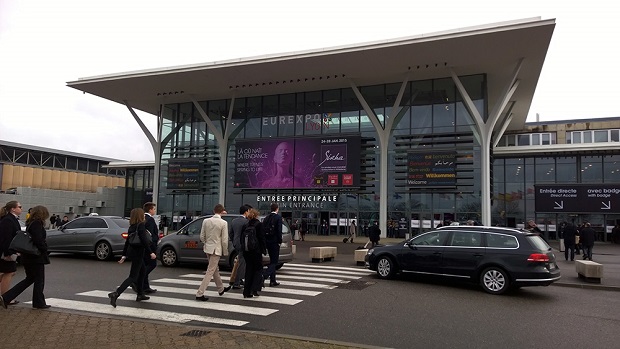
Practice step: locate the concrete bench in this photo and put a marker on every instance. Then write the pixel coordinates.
(323, 253)
(589, 271)
(359, 256)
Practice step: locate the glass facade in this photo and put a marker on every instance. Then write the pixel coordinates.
(431, 117)
(514, 192)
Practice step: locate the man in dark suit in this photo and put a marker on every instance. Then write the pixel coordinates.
(569, 232)
(151, 227)
(587, 237)
(272, 227)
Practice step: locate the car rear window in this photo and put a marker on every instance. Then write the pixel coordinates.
(122, 223)
(501, 241)
(537, 242)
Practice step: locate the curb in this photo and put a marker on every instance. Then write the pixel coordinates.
(587, 286)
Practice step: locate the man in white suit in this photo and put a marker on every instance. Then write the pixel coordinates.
(214, 236)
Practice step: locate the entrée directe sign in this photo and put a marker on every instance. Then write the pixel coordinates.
(577, 198)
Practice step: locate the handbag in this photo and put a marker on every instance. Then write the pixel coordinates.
(134, 239)
(22, 243)
(576, 239)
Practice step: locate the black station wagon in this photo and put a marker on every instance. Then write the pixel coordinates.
(496, 258)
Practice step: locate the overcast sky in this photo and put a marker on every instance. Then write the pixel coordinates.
(44, 44)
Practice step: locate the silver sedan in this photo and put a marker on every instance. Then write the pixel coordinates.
(185, 245)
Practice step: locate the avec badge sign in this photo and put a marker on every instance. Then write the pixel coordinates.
(577, 198)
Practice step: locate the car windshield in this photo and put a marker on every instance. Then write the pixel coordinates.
(123, 223)
(538, 243)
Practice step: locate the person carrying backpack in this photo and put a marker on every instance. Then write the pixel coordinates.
(272, 228)
(252, 242)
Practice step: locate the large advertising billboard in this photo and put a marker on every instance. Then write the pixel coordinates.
(318, 162)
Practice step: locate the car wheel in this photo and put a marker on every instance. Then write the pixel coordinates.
(169, 257)
(494, 280)
(385, 267)
(279, 266)
(103, 251)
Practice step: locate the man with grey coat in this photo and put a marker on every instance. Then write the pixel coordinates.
(236, 228)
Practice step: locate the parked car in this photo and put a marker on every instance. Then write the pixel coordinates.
(103, 236)
(185, 245)
(496, 258)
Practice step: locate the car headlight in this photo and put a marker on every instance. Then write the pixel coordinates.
(370, 251)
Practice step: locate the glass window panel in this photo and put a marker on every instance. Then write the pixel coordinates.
(313, 111)
(422, 117)
(601, 136)
(349, 121)
(568, 138)
(269, 117)
(331, 123)
(591, 169)
(523, 139)
(546, 139)
(443, 118)
(287, 115)
(612, 169)
(566, 169)
(576, 137)
(536, 139)
(587, 137)
(614, 135)
(545, 170)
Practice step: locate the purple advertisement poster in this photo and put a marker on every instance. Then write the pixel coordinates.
(316, 162)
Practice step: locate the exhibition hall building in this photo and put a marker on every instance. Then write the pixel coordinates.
(408, 132)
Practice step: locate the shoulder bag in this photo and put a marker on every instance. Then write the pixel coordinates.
(22, 243)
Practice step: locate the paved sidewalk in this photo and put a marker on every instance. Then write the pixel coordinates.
(26, 328)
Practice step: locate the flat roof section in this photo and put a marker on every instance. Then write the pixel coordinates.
(493, 49)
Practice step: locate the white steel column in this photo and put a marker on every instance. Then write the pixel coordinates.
(222, 142)
(485, 132)
(155, 144)
(384, 136)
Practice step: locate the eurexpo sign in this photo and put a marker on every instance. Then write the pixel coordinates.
(578, 198)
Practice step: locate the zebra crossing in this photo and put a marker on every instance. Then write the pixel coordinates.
(174, 300)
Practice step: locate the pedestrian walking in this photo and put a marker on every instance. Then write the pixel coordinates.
(136, 252)
(304, 229)
(374, 235)
(151, 226)
(34, 265)
(214, 236)
(352, 231)
(570, 234)
(272, 228)
(587, 237)
(253, 251)
(9, 226)
(236, 228)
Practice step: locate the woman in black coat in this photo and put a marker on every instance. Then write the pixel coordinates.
(34, 265)
(253, 259)
(9, 226)
(138, 270)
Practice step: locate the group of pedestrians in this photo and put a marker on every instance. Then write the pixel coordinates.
(34, 264)
(576, 238)
(251, 239)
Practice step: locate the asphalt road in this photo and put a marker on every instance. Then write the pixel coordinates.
(403, 313)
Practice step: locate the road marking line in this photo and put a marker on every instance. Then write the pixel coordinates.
(285, 283)
(302, 272)
(209, 305)
(312, 266)
(139, 312)
(231, 295)
(288, 291)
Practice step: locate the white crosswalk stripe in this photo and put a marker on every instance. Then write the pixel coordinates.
(175, 300)
(138, 312)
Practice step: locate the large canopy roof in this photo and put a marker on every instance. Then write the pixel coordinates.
(494, 49)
